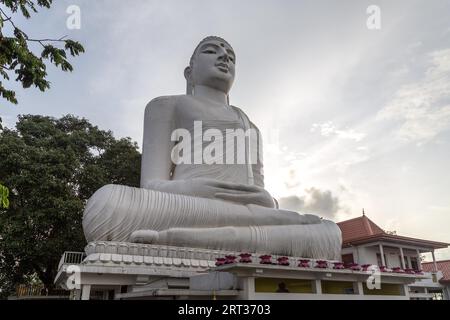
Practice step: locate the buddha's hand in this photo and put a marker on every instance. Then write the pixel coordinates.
(235, 192)
(244, 194)
(215, 189)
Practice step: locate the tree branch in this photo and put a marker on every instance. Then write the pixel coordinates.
(48, 40)
(41, 41)
(8, 18)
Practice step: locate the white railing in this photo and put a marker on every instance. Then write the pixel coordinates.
(421, 295)
(434, 276)
(38, 290)
(71, 258)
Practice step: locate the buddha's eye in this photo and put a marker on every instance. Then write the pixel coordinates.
(209, 51)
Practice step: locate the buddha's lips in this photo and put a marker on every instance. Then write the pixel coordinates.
(222, 66)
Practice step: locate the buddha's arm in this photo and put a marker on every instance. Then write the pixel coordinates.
(159, 124)
(256, 194)
(258, 168)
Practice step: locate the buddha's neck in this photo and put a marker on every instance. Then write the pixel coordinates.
(214, 95)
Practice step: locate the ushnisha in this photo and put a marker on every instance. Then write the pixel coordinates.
(219, 206)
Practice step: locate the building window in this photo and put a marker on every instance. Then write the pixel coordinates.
(406, 262)
(272, 285)
(348, 258)
(387, 289)
(379, 261)
(337, 287)
(414, 263)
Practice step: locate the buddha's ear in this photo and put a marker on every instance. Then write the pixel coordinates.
(187, 73)
(189, 84)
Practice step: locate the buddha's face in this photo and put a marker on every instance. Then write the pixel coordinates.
(213, 66)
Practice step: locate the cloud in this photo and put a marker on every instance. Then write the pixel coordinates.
(328, 129)
(314, 201)
(294, 203)
(440, 209)
(8, 121)
(423, 107)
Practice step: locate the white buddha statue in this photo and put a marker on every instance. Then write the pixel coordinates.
(208, 204)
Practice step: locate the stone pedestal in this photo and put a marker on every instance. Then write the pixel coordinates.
(131, 268)
(141, 271)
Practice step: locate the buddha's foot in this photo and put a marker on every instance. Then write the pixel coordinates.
(197, 237)
(318, 240)
(144, 236)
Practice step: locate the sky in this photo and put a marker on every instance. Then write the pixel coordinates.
(352, 117)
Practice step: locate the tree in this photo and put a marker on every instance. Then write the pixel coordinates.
(52, 167)
(16, 56)
(4, 197)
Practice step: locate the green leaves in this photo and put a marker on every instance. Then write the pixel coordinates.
(74, 47)
(8, 94)
(25, 5)
(57, 57)
(17, 58)
(4, 197)
(52, 167)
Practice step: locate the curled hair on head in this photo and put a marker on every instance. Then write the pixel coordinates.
(189, 85)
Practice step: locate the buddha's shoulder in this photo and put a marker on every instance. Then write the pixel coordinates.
(166, 103)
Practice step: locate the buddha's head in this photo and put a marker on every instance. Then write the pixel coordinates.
(212, 64)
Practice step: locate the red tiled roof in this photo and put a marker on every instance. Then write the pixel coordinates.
(358, 228)
(443, 266)
(363, 230)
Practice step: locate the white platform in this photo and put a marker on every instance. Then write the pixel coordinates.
(151, 270)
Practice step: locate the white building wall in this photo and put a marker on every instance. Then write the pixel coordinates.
(348, 251)
(369, 255)
(392, 257)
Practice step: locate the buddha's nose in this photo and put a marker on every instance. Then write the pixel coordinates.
(225, 56)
